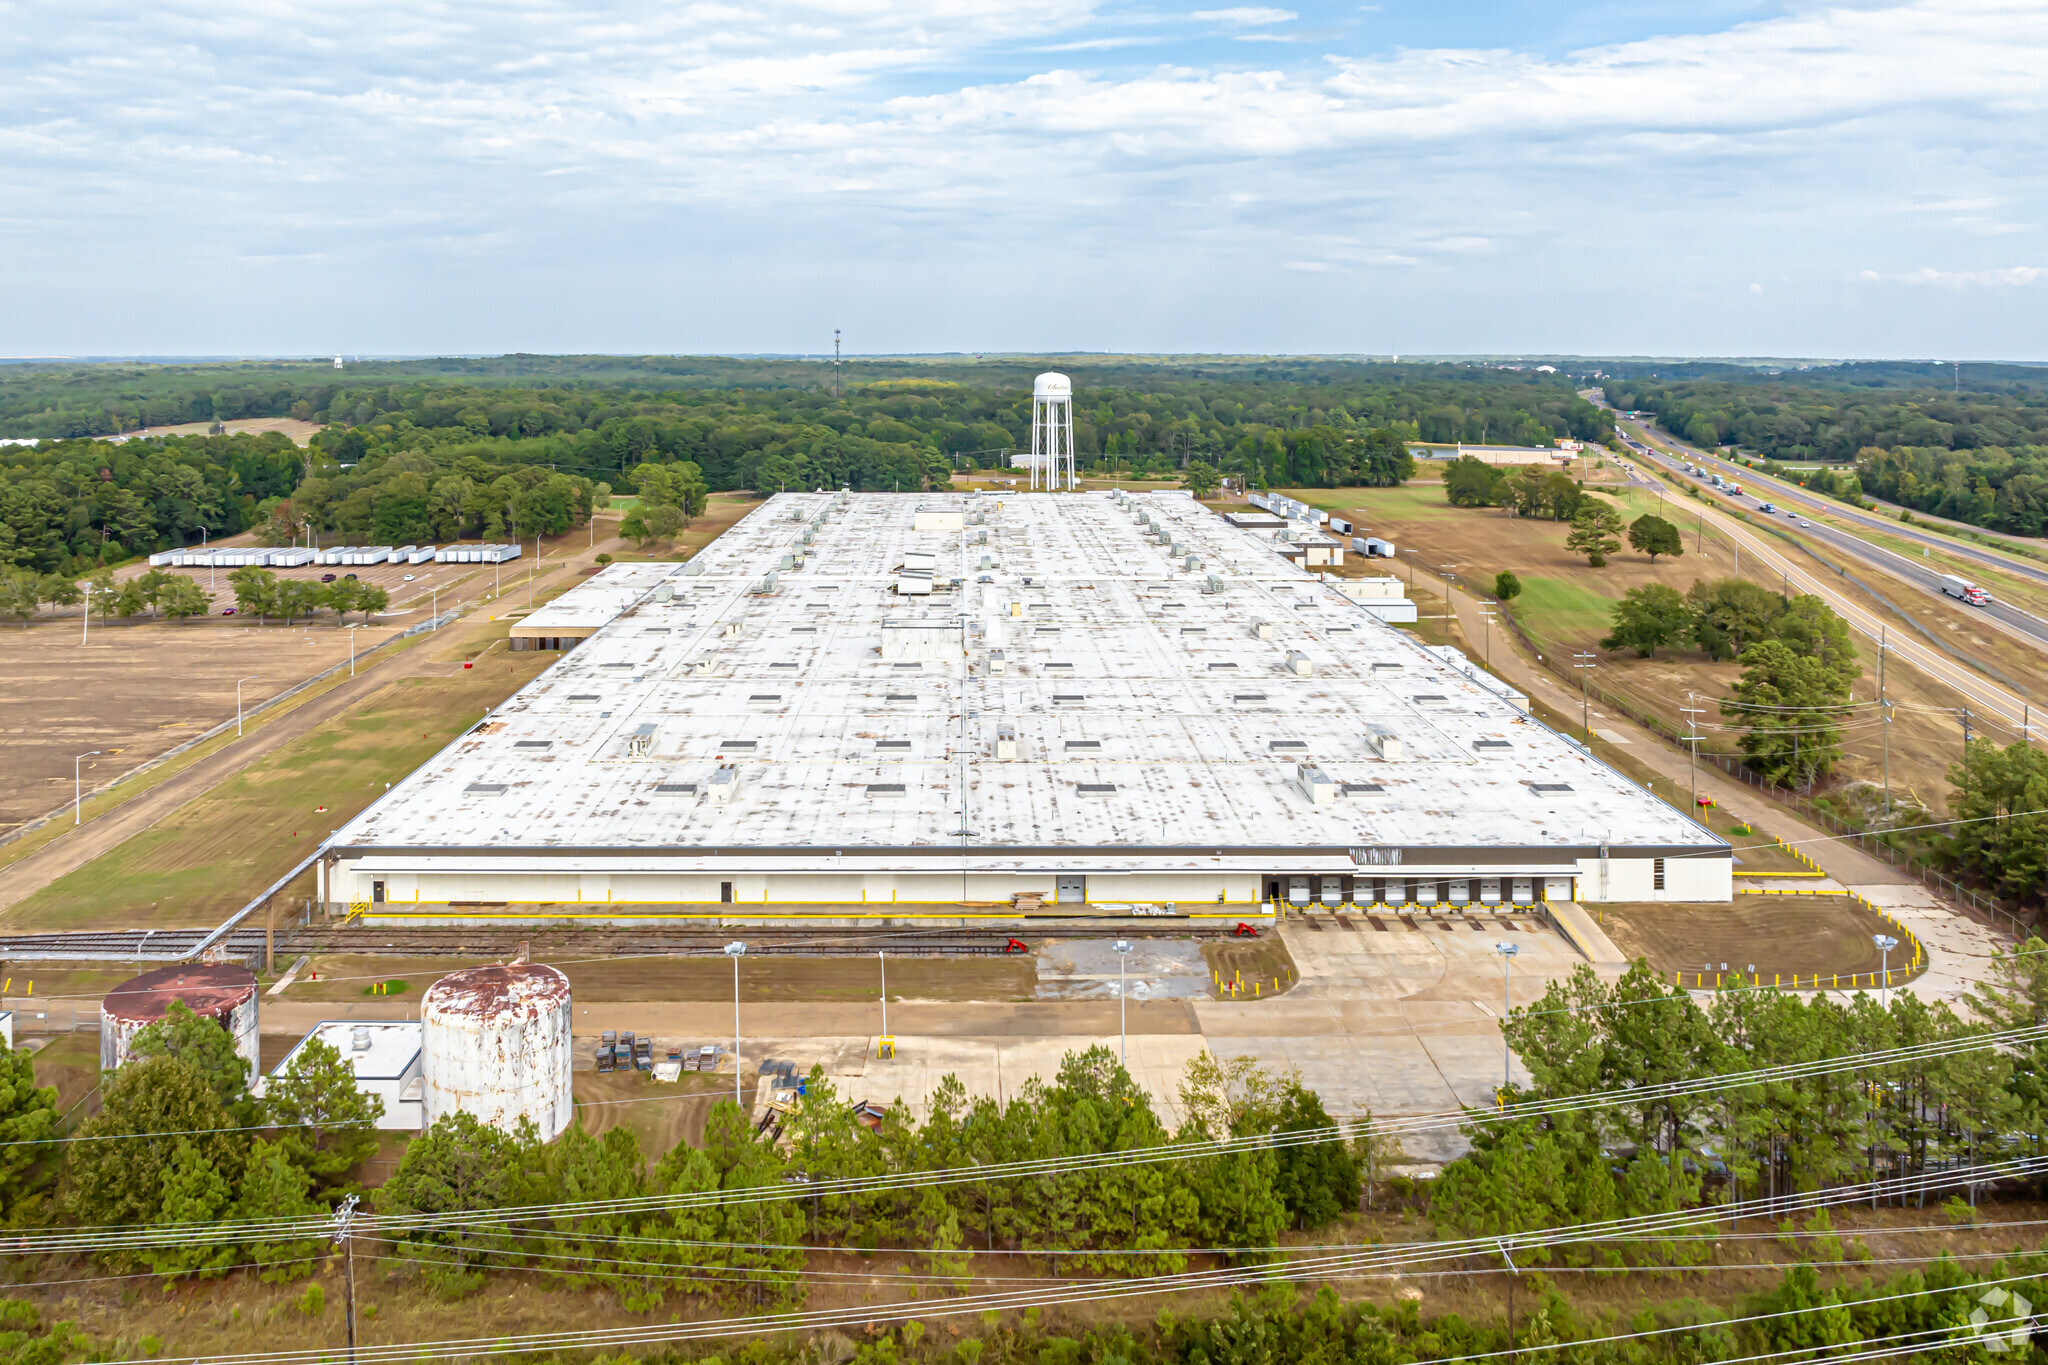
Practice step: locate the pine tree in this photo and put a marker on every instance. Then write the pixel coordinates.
(192, 1192)
(326, 1123)
(28, 1115)
(274, 1188)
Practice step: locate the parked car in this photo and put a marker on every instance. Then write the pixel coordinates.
(348, 575)
(227, 611)
(327, 578)
(408, 578)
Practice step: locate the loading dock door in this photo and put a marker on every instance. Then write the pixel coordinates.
(1072, 890)
(1297, 891)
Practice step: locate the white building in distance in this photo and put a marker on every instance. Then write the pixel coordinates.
(864, 701)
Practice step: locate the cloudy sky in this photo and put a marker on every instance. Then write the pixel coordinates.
(408, 176)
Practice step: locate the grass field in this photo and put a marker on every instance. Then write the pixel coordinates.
(210, 856)
(1565, 607)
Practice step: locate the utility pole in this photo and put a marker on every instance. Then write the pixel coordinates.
(1691, 712)
(1512, 1272)
(1966, 730)
(1885, 710)
(344, 1219)
(1585, 707)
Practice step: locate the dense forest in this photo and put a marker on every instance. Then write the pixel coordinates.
(428, 451)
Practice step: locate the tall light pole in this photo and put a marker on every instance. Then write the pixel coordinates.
(1885, 943)
(352, 650)
(77, 785)
(1486, 606)
(1692, 722)
(437, 606)
(736, 950)
(1585, 706)
(1507, 953)
(1123, 1038)
(238, 697)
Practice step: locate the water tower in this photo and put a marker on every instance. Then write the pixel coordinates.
(1052, 432)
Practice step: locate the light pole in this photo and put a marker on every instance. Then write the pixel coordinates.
(436, 592)
(1885, 943)
(1123, 1038)
(238, 697)
(77, 785)
(1507, 953)
(1692, 714)
(1485, 609)
(1585, 706)
(736, 950)
(352, 650)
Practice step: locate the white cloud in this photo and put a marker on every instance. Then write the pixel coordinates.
(1957, 279)
(1245, 16)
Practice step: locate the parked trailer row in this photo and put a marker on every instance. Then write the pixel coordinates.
(235, 558)
(477, 554)
(1372, 547)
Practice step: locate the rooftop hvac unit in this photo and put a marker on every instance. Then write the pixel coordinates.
(786, 562)
(1178, 550)
(988, 561)
(809, 538)
(723, 786)
(1193, 562)
(996, 662)
(1385, 742)
(732, 630)
(664, 592)
(981, 539)
(703, 665)
(771, 583)
(1316, 785)
(1263, 630)
(692, 569)
(640, 741)
(1214, 585)
(1006, 741)
(1300, 664)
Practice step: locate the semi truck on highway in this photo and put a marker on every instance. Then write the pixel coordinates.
(1965, 589)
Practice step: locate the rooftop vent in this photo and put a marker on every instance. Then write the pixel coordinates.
(487, 788)
(1074, 744)
(1095, 788)
(1385, 741)
(655, 630)
(585, 698)
(1057, 664)
(1194, 630)
(913, 667)
(1248, 698)
(1491, 744)
(892, 744)
(615, 663)
(782, 665)
(876, 789)
(1281, 745)
(1219, 667)
(675, 789)
(724, 785)
(1377, 667)
(803, 630)
(1550, 786)
(359, 1038)
(764, 696)
(747, 744)
(1068, 698)
(1424, 698)
(1363, 789)
(533, 744)
(901, 696)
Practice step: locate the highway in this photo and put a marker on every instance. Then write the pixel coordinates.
(2016, 622)
(1665, 446)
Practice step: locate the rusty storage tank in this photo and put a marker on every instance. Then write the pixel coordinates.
(496, 1043)
(220, 992)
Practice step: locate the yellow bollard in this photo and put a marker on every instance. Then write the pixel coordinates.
(1717, 980)
(1775, 980)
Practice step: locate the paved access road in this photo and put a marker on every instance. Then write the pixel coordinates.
(1759, 489)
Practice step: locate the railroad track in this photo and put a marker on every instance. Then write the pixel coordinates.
(678, 940)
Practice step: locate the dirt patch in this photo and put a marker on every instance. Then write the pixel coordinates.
(300, 432)
(212, 854)
(134, 691)
(660, 1114)
(762, 979)
(1250, 968)
(1778, 936)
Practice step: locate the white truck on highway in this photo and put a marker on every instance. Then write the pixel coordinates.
(1965, 589)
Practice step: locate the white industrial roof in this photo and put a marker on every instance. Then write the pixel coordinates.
(1154, 721)
(394, 1046)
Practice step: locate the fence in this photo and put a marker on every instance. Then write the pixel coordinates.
(1988, 908)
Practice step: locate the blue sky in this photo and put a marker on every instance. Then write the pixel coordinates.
(195, 177)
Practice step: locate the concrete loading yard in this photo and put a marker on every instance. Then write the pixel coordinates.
(1098, 701)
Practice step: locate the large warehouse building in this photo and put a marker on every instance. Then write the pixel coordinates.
(874, 700)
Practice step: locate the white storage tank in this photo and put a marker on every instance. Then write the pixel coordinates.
(497, 1046)
(223, 993)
